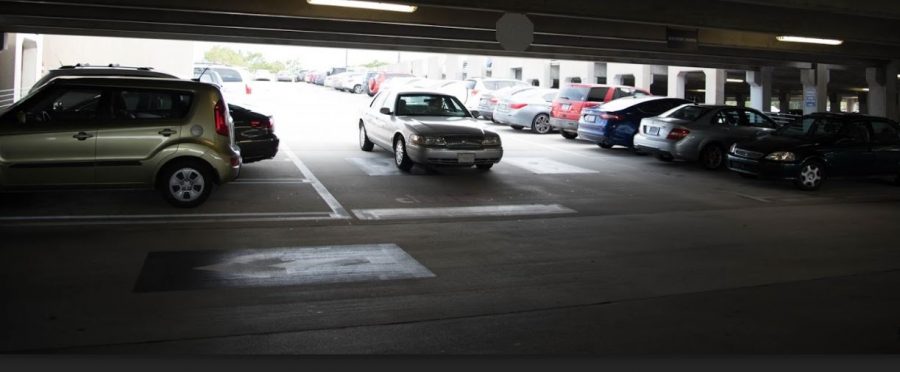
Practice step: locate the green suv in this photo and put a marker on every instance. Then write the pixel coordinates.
(169, 134)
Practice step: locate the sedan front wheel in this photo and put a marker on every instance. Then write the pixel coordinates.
(401, 159)
(811, 176)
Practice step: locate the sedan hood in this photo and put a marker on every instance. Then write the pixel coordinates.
(771, 143)
(444, 126)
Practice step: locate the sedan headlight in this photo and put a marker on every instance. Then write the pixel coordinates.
(782, 156)
(491, 141)
(731, 150)
(427, 141)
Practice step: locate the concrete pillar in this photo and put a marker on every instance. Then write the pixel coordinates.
(815, 88)
(784, 101)
(882, 99)
(715, 86)
(452, 67)
(677, 81)
(863, 99)
(835, 100)
(760, 89)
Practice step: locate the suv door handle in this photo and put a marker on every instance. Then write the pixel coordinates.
(81, 136)
(167, 132)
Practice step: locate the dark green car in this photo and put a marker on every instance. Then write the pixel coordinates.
(819, 146)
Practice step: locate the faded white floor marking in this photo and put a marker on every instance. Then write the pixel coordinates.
(377, 166)
(458, 212)
(336, 207)
(545, 166)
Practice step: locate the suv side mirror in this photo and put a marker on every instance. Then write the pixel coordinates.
(385, 111)
(21, 117)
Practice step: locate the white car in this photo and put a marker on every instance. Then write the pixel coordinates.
(332, 80)
(352, 82)
(427, 127)
(479, 86)
(236, 82)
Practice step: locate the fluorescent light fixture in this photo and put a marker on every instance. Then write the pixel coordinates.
(734, 80)
(809, 40)
(374, 5)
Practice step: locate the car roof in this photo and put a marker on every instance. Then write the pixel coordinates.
(844, 115)
(129, 81)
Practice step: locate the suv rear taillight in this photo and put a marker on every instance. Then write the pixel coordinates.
(678, 134)
(590, 104)
(247, 89)
(221, 120)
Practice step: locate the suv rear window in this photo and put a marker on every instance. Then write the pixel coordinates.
(574, 93)
(597, 94)
(151, 104)
(229, 75)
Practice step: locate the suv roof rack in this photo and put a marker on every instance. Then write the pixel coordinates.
(111, 65)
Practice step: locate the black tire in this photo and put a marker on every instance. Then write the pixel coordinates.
(364, 143)
(401, 159)
(605, 145)
(748, 176)
(712, 157)
(638, 151)
(811, 175)
(357, 89)
(665, 158)
(568, 135)
(186, 183)
(516, 127)
(484, 167)
(541, 124)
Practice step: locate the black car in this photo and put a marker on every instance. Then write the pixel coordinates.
(254, 133)
(822, 145)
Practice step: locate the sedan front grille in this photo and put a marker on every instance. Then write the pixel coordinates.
(464, 143)
(748, 154)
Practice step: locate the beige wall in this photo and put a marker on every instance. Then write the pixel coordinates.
(175, 57)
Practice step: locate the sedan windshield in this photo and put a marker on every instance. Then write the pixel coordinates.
(429, 105)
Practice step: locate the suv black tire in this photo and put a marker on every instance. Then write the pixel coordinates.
(568, 135)
(198, 182)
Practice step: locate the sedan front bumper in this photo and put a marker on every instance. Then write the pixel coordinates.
(763, 168)
(444, 156)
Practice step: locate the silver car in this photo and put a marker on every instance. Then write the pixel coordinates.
(429, 128)
(527, 109)
(700, 132)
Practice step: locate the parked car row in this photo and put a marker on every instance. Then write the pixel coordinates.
(131, 127)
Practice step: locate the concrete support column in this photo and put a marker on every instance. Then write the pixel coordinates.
(863, 99)
(835, 100)
(882, 99)
(815, 88)
(784, 101)
(677, 81)
(452, 67)
(715, 86)
(760, 88)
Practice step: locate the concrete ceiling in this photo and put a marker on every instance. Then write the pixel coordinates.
(730, 34)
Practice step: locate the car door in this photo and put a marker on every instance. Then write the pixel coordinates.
(50, 140)
(381, 122)
(848, 152)
(886, 146)
(145, 124)
(724, 127)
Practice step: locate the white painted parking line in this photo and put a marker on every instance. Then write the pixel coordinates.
(377, 166)
(545, 166)
(164, 219)
(337, 209)
(458, 212)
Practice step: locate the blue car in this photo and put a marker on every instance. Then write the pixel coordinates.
(616, 122)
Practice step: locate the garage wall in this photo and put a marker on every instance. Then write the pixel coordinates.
(20, 65)
(171, 56)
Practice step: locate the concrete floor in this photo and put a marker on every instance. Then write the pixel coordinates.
(648, 257)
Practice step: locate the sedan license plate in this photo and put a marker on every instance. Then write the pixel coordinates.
(566, 107)
(589, 118)
(653, 131)
(465, 158)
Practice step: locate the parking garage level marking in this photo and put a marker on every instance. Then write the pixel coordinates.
(460, 212)
(337, 209)
(546, 166)
(207, 269)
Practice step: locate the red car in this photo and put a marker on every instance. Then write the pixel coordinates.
(375, 82)
(567, 106)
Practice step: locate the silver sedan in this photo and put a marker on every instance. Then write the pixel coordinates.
(527, 109)
(700, 132)
(427, 127)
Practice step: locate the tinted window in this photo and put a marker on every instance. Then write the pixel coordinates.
(727, 117)
(690, 113)
(597, 94)
(620, 93)
(854, 132)
(150, 104)
(885, 133)
(574, 93)
(429, 105)
(658, 106)
(229, 75)
(65, 105)
(753, 119)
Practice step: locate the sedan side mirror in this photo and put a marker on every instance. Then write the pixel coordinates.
(21, 117)
(385, 111)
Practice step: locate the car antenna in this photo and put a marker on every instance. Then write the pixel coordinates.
(202, 73)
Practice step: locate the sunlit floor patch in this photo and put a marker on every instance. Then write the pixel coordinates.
(459, 212)
(545, 166)
(187, 270)
(377, 166)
